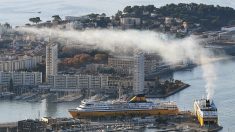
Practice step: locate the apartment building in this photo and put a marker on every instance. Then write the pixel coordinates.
(21, 78)
(69, 83)
(51, 59)
(20, 62)
(125, 64)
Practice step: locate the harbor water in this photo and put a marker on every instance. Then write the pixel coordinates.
(224, 94)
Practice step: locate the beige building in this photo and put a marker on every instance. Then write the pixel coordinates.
(69, 83)
(121, 61)
(128, 22)
(124, 64)
(51, 59)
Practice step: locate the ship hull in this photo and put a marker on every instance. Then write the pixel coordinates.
(205, 121)
(84, 114)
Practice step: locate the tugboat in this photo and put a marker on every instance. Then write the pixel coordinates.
(136, 106)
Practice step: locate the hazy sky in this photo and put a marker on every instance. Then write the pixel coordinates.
(17, 12)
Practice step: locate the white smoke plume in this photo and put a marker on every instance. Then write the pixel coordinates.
(209, 76)
(171, 50)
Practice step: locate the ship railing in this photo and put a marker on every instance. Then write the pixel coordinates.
(209, 114)
(165, 107)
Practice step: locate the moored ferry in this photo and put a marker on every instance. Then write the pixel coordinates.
(206, 112)
(136, 106)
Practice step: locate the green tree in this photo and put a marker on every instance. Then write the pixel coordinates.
(118, 15)
(7, 25)
(56, 18)
(103, 14)
(32, 20)
(210, 17)
(11, 86)
(127, 9)
(150, 8)
(84, 92)
(35, 20)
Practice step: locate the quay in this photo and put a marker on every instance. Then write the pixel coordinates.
(184, 121)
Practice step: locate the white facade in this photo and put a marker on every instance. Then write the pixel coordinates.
(51, 59)
(77, 82)
(128, 22)
(24, 62)
(138, 87)
(230, 36)
(124, 64)
(121, 61)
(168, 20)
(21, 78)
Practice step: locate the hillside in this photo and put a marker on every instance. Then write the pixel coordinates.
(209, 17)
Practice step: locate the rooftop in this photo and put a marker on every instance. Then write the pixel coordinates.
(207, 105)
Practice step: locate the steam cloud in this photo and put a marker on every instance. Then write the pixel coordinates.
(171, 50)
(209, 76)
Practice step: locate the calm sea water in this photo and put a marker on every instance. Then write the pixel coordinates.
(223, 97)
(17, 12)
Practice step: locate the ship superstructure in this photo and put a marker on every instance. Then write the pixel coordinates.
(137, 106)
(206, 112)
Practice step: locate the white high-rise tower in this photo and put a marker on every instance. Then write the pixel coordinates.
(51, 59)
(138, 73)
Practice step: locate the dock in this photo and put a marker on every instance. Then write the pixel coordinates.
(184, 121)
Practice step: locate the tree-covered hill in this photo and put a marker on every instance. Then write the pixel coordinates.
(210, 17)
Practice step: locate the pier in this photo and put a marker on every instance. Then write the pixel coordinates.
(184, 121)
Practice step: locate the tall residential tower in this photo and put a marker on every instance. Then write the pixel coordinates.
(51, 59)
(138, 87)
